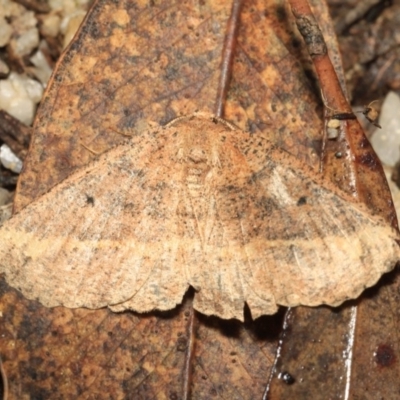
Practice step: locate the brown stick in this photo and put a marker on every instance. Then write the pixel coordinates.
(14, 133)
(309, 29)
(227, 57)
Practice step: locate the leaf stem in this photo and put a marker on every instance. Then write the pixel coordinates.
(309, 29)
(228, 53)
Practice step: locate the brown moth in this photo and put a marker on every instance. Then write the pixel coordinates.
(197, 203)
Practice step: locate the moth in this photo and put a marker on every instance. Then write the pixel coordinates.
(195, 203)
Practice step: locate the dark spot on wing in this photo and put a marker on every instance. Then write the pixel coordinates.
(302, 200)
(89, 200)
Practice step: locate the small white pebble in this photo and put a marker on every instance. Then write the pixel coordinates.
(9, 8)
(393, 189)
(9, 160)
(50, 25)
(332, 130)
(26, 42)
(34, 90)
(65, 6)
(7, 92)
(72, 13)
(5, 32)
(83, 3)
(25, 35)
(23, 20)
(332, 133)
(386, 141)
(42, 69)
(333, 123)
(23, 109)
(19, 96)
(4, 69)
(70, 25)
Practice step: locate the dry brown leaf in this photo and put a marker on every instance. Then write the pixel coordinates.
(58, 352)
(198, 203)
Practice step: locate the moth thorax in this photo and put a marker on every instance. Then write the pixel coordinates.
(197, 169)
(197, 155)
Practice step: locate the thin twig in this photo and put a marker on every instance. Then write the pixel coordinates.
(227, 57)
(309, 29)
(189, 354)
(15, 134)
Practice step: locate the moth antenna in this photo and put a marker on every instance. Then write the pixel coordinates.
(119, 132)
